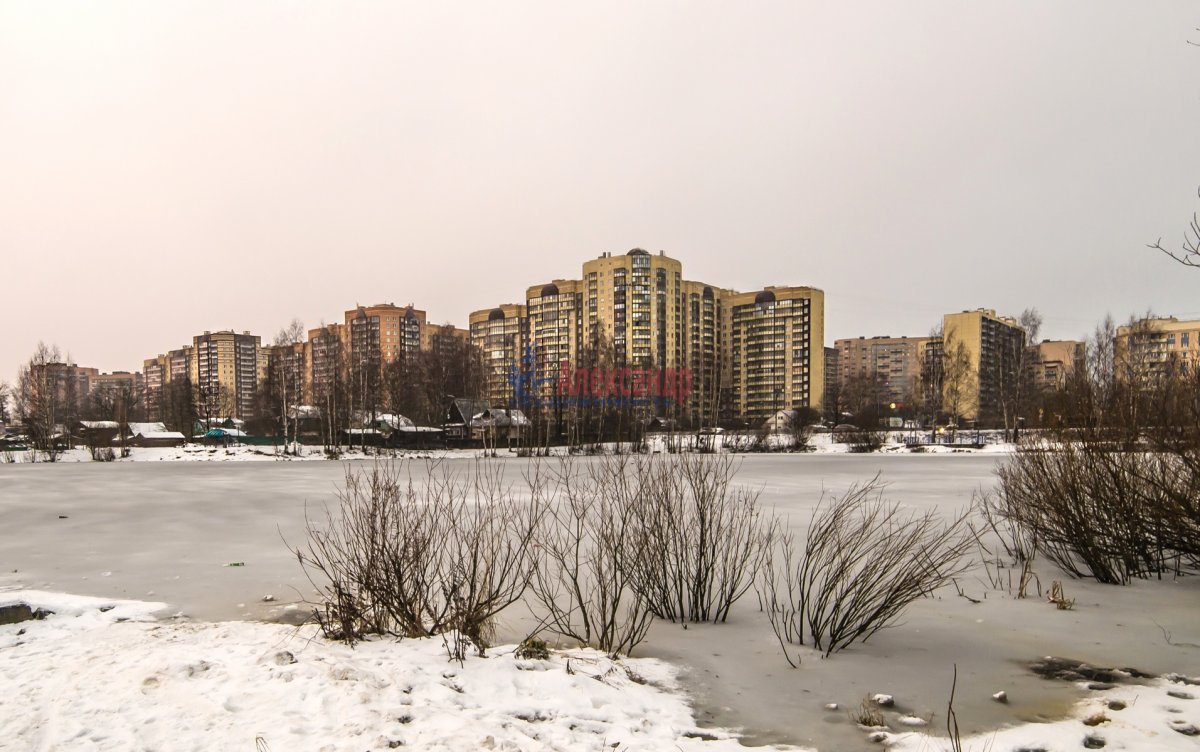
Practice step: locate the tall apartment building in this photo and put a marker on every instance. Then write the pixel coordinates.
(384, 333)
(62, 385)
(991, 346)
(556, 332)
(634, 301)
(777, 350)
(226, 371)
(154, 378)
(833, 380)
(892, 364)
(159, 372)
(327, 355)
(501, 336)
(117, 380)
(704, 324)
(1147, 347)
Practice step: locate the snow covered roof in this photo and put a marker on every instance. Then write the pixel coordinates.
(136, 429)
(95, 424)
(162, 435)
(393, 421)
(304, 411)
(498, 417)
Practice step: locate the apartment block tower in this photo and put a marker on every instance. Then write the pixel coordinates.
(777, 350)
(160, 372)
(501, 335)
(383, 333)
(705, 346)
(556, 329)
(634, 301)
(989, 348)
(1148, 347)
(226, 370)
(892, 365)
(326, 363)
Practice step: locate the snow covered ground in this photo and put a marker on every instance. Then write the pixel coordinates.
(105, 675)
(86, 679)
(168, 532)
(818, 444)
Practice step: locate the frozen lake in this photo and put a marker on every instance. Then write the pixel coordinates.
(168, 531)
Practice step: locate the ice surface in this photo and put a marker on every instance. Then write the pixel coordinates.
(172, 529)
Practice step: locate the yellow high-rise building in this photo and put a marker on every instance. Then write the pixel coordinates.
(226, 370)
(777, 350)
(556, 333)
(988, 347)
(706, 355)
(501, 335)
(633, 301)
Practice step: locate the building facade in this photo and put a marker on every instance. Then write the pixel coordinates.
(704, 321)
(1149, 347)
(891, 364)
(1053, 362)
(633, 301)
(501, 335)
(981, 361)
(556, 333)
(326, 364)
(777, 350)
(226, 371)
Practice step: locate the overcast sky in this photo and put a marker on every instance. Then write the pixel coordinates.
(170, 167)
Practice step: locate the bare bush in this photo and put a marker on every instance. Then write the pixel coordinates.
(1097, 511)
(863, 562)
(699, 541)
(585, 549)
(102, 454)
(862, 440)
(417, 559)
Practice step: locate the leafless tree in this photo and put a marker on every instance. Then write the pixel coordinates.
(178, 407)
(1189, 249)
(5, 395)
(288, 372)
(957, 375)
(45, 391)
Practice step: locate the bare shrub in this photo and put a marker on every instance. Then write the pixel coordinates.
(1097, 511)
(863, 562)
(419, 559)
(862, 440)
(699, 541)
(585, 549)
(1004, 545)
(102, 454)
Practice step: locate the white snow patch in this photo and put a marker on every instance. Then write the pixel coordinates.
(153, 685)
(1147, 722)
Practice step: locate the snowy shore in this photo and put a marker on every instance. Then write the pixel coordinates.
(100, 674)
(817, 444)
